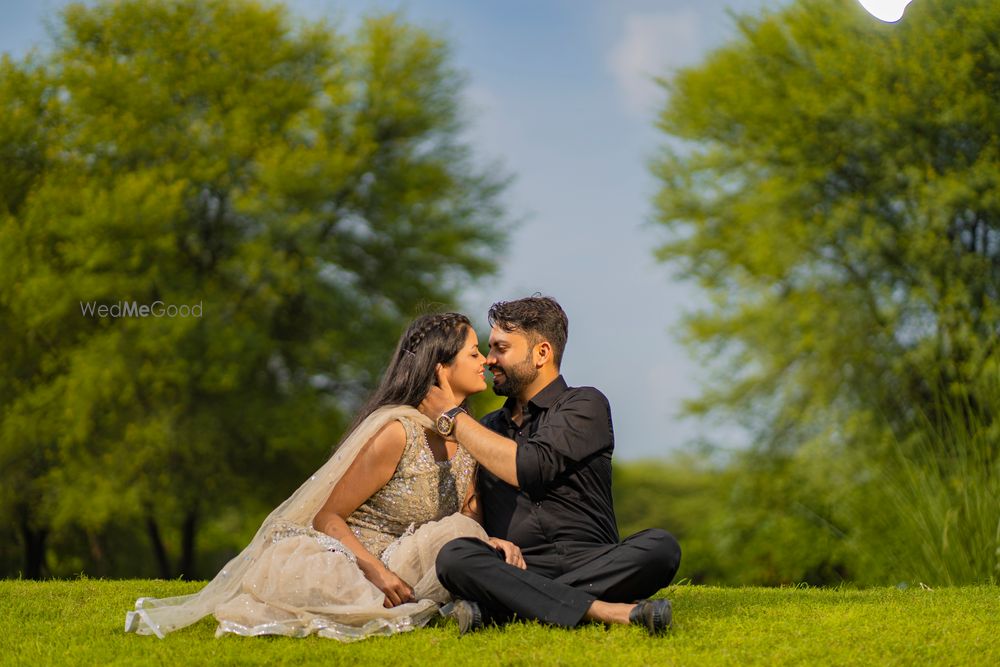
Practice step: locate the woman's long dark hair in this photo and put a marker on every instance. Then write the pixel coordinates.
(428, 341)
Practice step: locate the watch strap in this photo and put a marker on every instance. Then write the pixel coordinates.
(454, 412)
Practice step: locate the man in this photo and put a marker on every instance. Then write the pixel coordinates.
(545, 485)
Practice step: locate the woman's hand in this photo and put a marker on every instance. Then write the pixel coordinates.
(511, 552)
(396, 590)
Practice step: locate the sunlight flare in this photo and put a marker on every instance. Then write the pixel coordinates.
(889, 11)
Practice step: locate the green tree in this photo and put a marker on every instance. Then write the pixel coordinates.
(834, 191)
(831, 183)
(306, 190)
(28, 443)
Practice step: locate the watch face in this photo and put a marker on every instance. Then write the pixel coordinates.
(444, 425)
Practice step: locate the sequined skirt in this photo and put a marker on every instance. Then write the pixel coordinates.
(306, 583)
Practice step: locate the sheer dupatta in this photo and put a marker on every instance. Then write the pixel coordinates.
(158, 617)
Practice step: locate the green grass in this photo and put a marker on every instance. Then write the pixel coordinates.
(81, 622)
(942, 488)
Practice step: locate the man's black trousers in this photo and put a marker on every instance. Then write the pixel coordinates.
(562, 579)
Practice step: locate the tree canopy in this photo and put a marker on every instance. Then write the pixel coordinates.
(303, 190)
(832, 184)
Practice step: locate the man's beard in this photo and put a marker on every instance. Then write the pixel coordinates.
(516, 378)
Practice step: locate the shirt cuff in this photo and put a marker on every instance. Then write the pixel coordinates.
(529, 473)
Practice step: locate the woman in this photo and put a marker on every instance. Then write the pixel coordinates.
(351, 553)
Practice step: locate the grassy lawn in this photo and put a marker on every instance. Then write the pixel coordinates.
(80, 622)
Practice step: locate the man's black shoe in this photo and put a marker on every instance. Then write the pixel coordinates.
(467, 613)
(656, 616)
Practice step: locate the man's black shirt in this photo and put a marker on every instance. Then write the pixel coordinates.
(564, 447)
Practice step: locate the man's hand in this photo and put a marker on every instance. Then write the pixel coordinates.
(439, 399)
(511, 552)
(493, 451)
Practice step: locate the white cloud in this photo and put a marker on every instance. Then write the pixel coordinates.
(651, 45)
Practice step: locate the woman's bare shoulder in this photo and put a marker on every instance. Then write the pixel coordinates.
(389, 442)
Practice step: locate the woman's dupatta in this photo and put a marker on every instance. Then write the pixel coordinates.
(158, 617)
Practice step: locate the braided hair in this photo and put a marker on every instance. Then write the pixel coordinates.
(429, 340)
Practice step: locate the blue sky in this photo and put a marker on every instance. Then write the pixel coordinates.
(559, 93)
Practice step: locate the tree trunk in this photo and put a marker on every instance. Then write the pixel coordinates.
(159, 550)
(34, 550)
(97, 554)
(189, 532)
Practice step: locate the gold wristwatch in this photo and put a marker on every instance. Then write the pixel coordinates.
(445, 424)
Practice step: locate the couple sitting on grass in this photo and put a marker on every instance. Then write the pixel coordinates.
(422, 506)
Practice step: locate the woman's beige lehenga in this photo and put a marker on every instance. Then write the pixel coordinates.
(295, 581)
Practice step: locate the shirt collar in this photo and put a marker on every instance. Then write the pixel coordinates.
(540, 401)
(548, 394)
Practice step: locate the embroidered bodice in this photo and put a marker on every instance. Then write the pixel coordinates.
(421, 489)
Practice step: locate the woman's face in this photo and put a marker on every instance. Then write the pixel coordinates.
(466, 373)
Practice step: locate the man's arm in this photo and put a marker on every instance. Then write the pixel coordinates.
(579, 428)
(493, 451)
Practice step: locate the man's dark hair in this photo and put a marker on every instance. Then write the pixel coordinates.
(537, 317)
